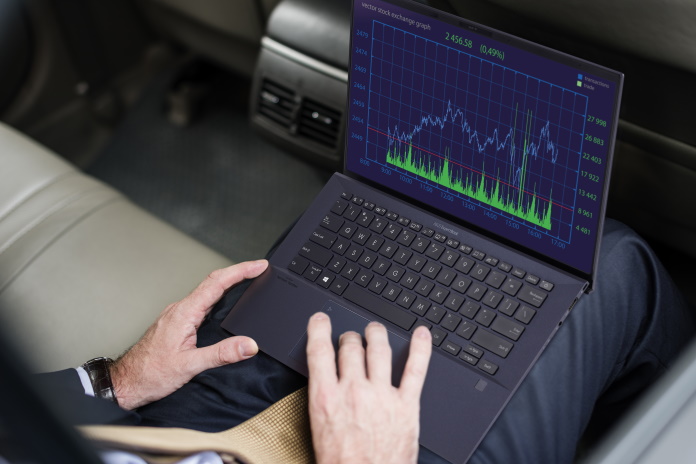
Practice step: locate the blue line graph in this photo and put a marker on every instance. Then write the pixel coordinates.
(445, 107)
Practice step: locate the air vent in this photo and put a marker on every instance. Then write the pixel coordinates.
(319, 123)
(277, 103)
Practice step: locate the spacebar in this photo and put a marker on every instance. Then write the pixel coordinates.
(380, 307)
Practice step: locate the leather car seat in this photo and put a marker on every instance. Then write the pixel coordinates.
(83, 271)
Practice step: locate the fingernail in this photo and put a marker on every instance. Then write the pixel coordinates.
(320, 316)
(248, 348)
(422, 332)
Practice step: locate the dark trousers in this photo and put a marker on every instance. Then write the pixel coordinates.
(614, 344)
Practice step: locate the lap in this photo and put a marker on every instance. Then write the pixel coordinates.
(611, 347)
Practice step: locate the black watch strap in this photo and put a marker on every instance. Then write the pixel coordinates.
(98, 371)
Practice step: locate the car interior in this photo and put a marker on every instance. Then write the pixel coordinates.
(145, 143)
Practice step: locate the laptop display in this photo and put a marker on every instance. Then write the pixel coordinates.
(503, 134)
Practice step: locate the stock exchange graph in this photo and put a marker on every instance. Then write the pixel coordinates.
(495, 135)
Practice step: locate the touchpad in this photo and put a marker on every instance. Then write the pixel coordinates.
(344, 320)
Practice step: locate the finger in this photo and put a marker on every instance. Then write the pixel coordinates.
(209, 292)
(351, 356)
(321, 356)
(227, 351)
(379, 357)
(417, 364)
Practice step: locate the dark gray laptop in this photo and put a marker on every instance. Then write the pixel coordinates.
(472, 202)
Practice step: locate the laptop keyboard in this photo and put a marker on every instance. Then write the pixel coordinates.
(476, 306)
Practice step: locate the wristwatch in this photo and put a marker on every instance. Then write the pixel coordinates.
(98, 371)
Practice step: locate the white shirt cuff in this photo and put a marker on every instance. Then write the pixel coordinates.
(86, 383)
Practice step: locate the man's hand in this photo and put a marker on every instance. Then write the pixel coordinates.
(356, 415)
(166, 357)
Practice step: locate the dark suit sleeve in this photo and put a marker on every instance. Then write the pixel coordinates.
(64, 391)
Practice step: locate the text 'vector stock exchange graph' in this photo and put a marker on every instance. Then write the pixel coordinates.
(499, 136)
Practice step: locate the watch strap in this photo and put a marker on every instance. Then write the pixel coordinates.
(98, 370)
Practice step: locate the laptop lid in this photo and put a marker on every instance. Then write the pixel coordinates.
(508, 137)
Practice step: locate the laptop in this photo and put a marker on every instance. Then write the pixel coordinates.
(472, 201)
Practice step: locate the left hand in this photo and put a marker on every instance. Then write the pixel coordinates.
(166, 357)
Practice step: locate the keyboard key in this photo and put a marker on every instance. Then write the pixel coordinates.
(464, 265)
(379, 307)
(378, 224)
(428, 232)
(298, 265)
(347, 230)
(406, 237)
(488, 367)
(452, 243)
(363, 278)
(346, 195)
(548, 286)
(511, 286)
(365, 219)
(405, 300)
(381, 211)
(492, 299)
(451, 348)
(402, 256)
(479, 272)
(323, 237)
(533, 296)
(449, 258)
(492, 343)
(508, 307)
(354, 253)
(312, 272)
(326, 278)
(440, 238)
(341, 246)
(420, 244)
(391, 292)
(505, 267)
(381, 266)
(358, 201)
(438, 335)
(466, 249)
(388, 249)
(451, 322)
(435, 250)
(454, 302)
(392, 215)
(375, 243)
(377, 285)
(432, 270)
(476, 291)
(392, 232)
(395, 273)
(350, 271)
(403, 221)
(368, 258)
(470, 309)
(424, 287)
(466, 329)
(507, 328)
(473, 351)
(420, 307)
(339, 286)
(415, 226)
(439, 294)
(352, 212)
(531, 279)
(485, 317)
(316, 253)
(468, 358)
(339, 207)
(435, 314)
(519, 273)
(409, 280)
(480, 255)
(525, 314)
(446, 276)
(361, 236)
(491, 261)
(416, 263)
(332, 222)
(495, 279)
(461, 284)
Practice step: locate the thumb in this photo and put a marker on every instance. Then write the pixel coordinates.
(227, 351)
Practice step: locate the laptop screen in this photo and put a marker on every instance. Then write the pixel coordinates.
(506, 135)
